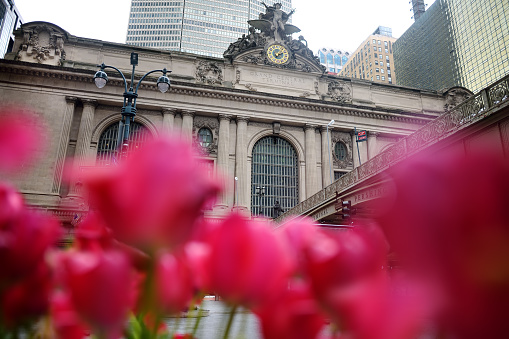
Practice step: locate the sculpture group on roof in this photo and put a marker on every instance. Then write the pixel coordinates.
(271, 27)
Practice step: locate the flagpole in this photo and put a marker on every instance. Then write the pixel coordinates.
(357, 142)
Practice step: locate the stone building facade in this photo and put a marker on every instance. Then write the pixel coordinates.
(237, 110)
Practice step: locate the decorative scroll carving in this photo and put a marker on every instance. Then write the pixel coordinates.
(455, 96)
(209, 73)
(345, 139)
(43, 43)
(339, 91)
(210, 123)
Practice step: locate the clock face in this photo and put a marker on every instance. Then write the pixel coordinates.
(277, 54)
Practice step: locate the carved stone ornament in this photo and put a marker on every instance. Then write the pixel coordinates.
(210, 123)
(339, 91)
(346, 140)
(271, 28)
(42, 42)
(209, 73)
(455, 96)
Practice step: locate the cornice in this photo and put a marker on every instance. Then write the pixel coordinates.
(221, 93)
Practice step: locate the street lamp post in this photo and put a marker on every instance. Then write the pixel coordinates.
(328, 146)
(130, 95)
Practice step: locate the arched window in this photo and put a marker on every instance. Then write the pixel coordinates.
(107, 146)
(274, 176)
(340, 151)
(205, 137)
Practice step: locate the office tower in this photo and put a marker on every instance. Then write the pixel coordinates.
(373, 59)
(455, 43)
(418, 7)
(205, 27)
(333, 59)
(9, 21)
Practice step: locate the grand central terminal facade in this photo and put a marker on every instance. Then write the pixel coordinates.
(261, 116)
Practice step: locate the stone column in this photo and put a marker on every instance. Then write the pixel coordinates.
(242, 189)
(83, 142)
(310, 160)
(372, 144)
(223, 155)
(327, 170)
(187, 125)
(168, 120)
(64, 141)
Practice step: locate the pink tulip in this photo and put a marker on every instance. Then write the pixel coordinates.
(174, 284)
(155, 197)
(66, 322)
(99, 284)
(27, 299)
(25, 236)
(448, 223)
(21, 137)
(248, 263)
(293, 314)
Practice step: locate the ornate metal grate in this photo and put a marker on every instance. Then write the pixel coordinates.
(274, 176)
(107, 146)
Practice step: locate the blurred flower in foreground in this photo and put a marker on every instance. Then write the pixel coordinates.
(448, 223)
(292, 314)
(248, 263)
(155, 197)
(21, 137)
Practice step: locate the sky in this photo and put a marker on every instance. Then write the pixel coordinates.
(337, 24)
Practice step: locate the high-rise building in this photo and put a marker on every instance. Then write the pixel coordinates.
(194, 26)
(373, 59)
(455, 43)
(333, 59)
(418, 7)
(9, 21)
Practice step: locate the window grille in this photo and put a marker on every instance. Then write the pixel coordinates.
(274, 176)
(107, 147)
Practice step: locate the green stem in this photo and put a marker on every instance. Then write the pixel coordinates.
(230, 321)
(197, 322)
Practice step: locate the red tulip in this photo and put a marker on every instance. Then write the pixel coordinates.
(99, 284)
(25, 236)
(293, 314)
(66, 322)
(27, 299)
(449, 223)
(248, 263)
(155, 197)
(20, 137)
(174, 284)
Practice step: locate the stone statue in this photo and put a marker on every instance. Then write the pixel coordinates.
(273, 22)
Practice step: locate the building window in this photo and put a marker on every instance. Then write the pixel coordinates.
(374, 41)
(374, 48)
(205, 137)
(380, 56)
(377, 70)
(274, 169)
(376, 55)
(379, 42)
(383, 78)
(386, 51)
(371, 78)
(390, 80)
(382, 70)
(386, 57)
(329, 58)
(377, 77)
(340, 151)
(107, 146)
(376, 62)
(385, 43)
(381, 63)
(338, 174)
(379, 49)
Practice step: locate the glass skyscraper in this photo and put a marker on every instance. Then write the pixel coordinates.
(205, 27)
(9, 21)
(455, 43)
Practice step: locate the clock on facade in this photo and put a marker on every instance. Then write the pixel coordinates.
(278, 54)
